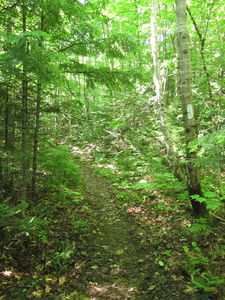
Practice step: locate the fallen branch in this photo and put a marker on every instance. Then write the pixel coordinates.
(217, 217)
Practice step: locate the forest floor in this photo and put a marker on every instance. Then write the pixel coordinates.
(112, 245)
(136, 250)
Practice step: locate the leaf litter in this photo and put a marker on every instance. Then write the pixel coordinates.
(96, 248)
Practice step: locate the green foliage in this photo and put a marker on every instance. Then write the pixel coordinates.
(80, 224)
(59, 189)
(14, 226)
(208, 155)
(59, 166)
(162, 181)
(7, 210)
(206, 281)
(60, 257)
(196, 265)
(167, 182)
(161, 263)
(116, 123)
(43, 236)
(128, 196)
(143, 185)
(200, 227)
(213, 201)
(96, 86)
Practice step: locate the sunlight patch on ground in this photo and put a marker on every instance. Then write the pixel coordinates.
(84, 151)
(136, 210)
(110, 291)
(17, 275)
(110, 166)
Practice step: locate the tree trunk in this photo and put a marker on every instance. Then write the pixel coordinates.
(37, 124)
(35, 146)
(7, 144)
(193, 181)
(159, 74)
(24, 110)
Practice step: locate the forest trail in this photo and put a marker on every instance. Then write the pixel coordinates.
(132, 251)
(117, 252)
(120, 252)
(97, 245)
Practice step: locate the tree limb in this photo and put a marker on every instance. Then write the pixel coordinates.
(10, 6)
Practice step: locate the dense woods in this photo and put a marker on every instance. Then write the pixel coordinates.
(137, 88)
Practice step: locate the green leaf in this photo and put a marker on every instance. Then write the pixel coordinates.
(198, 198)
(209, 194)
(214, 204)
(194, 244)
(186, 250)
(161, 263)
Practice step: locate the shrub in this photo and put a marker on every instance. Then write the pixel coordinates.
(56, 161)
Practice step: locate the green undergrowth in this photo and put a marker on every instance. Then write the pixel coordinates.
(56, 162)
(132, 166)
(150, 192)
(56, 237)
(42, 236)
(135, 169)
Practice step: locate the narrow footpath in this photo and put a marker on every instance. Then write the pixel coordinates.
(119, 261)
(99, 242)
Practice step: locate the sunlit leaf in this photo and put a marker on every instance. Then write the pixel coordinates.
(161, 263)
(94, 267)
(47, 289)
(152, 287)
(62, 280)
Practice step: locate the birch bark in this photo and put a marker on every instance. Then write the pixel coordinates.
(159, 79)
(193, 181)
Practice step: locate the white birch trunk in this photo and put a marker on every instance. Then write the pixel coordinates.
(159, 83)
(193, 182)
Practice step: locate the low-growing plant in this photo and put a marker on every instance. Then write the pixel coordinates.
(123, 197)
(168, 183)
(201, 226)
(81, 224)
(42, 234)
(212, 200)
(13, 227)
(197, 267)
(60, 258)
(58, 165)
(207, 281)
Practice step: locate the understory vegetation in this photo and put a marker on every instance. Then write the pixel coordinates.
(112, 165)
(55, 237)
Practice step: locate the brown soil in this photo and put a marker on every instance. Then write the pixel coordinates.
(104, 248)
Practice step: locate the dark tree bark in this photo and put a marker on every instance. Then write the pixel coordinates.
(36, 138)
(37, 124)
(24, 123)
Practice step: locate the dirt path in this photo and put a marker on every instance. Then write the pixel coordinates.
(119, 263)
(90, 247)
